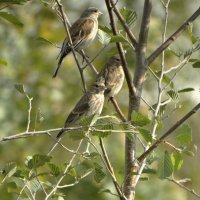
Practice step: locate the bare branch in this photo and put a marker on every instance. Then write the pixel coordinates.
(183, 187)
(110, 168)
(170, 131)
(173, 37)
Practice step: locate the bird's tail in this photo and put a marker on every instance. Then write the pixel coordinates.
(59, 65)
(65, 50)
(60, 133)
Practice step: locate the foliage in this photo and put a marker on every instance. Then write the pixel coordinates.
(79, 164)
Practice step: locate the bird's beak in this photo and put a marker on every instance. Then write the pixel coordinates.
(100, 13)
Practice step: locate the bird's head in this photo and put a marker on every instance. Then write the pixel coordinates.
(91, 12)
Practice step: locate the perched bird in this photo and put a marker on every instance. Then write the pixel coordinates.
(82, 33)
(113, 76)
(91, 104)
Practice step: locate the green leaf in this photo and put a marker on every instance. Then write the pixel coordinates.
(37, 161)
(184, 134)
(10, 169)
(20, 88)
(54, 169)
(103, 124)
(12, 187)
(173, 95)
(186, 90)
(14, 1)
(99, 175)
(165, 166)
(145, 134)
(191, 35)
(11, 18)
(168, 81)
(118, 38)
(196, 64)
(139, 119)
(77, 135)
(3, 62)
(103, 37)
(43, 40)
(177, 160)
(188, 153)
(129, 16)
(105, 29)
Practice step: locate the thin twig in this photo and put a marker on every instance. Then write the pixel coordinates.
(64, 173)
(121, 195)
(65, 22)
(184, 187)
(124, 24)
(29, 111)
(169, 132)
(173, 37)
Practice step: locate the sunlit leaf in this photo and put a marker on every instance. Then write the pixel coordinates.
(184, 134)
(173, 94)
(129, 16)
(37, 161)
(105, 29)
(54, 169)
(145, 134)
(177, 160)
(118, 38)
(11, 18)
(10, 169)
(139, 119)
(103, 37)
(12, 187)
(165, 166)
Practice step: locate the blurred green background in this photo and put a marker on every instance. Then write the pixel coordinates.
(32, 62)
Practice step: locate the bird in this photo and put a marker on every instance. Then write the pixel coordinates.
(113, 75)
(90, 104)
(82, 33)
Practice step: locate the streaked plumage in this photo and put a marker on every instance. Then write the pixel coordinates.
(82, 32)
(113, 76)
(90, 104)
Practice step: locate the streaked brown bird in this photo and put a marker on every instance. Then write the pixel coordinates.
(91, 104)
(82, 33)
(113, 76)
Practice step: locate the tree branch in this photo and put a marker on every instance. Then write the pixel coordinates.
(172, 38)
(109, 166)
(170, 131)
(124, 24)
(65, 22)
(120, 50)
(134, 101)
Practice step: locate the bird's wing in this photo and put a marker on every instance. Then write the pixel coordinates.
(81, 108)
(80, 30)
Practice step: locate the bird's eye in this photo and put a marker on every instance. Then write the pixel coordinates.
(95, 10)
(96, 85)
